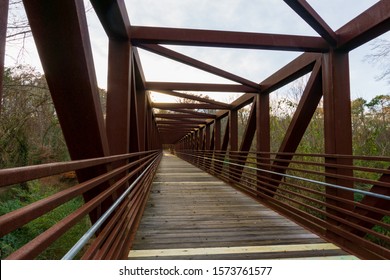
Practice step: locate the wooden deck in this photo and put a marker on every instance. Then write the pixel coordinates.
(193, 215)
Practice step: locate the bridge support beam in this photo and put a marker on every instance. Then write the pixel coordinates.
(118, 96)
(233, 139)
(67, 61)
(263, 136)
(337, 126)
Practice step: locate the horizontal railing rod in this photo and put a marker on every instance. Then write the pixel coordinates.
(42, 241)
(341, 210)
(309, 180)
(330, 175)
(85, 238)
(19, 217)
(100, 240)
(11, 176)
(333, 156)
(379, 251)
(113, 237)
(123, 238)
(322, 164)
(325, 195)
(111, 247)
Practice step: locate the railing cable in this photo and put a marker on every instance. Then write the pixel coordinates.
(88, 235)
(296, 177)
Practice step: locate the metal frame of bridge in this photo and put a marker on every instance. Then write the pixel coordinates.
(108, 155)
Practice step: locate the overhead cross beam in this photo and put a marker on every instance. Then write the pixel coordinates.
(181, 116)
(156, 86)
(179, 122)
(168, 106)
(194, 97)
(226, 39)
(197, 64)
(194, 113)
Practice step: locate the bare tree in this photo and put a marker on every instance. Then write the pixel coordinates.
(380, 56)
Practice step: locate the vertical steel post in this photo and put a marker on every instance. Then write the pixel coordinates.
(217, 134)
(134, 126)
(233, 139)
(118, 97)
(207, 137)
(263, 136)
(141, 109)
(337, 118)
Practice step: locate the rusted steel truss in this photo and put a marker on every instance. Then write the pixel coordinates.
(108, 152)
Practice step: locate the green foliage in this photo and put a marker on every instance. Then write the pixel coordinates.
(17, 198)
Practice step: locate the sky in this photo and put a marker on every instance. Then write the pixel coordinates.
(265, 16)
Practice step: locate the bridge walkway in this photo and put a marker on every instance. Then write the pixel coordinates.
(193, 215)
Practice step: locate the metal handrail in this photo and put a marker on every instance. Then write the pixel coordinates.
(17, 218)
(88, 235)
(328, 208)
(28, 173)
(297, 177)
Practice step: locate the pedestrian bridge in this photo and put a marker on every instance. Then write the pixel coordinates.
(141, 166)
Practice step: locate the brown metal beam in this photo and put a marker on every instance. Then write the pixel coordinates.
(308, 14)
(141, 110)
(250, 130)
(113, 17)
(178, 122)
(118, 97)
(337, 124)
(207, 136)
(263, 124)
(233, 130)
(263, 136)
(226, 39)
(3, 34)
(160, 126)
(156, 86)
(198, 64)
(372, 23)
(193, 97)
(304, 112)
(134, 114)
(247, 138)
(217, 135)
(180, 116)
(224, 147)
(72, 82)
(194, 113)
(139, 73)
(168, 106)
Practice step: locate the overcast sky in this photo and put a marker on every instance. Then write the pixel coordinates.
(266, 16)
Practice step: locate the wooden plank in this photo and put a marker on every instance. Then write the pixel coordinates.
(230, 250)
